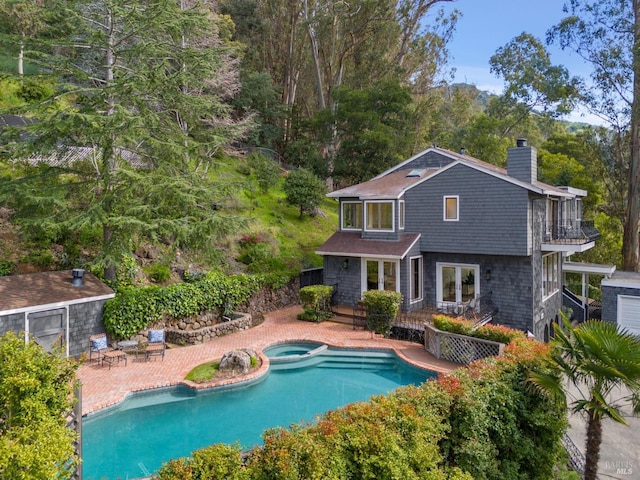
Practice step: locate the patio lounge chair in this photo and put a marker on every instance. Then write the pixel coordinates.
(156, 345)
(98, 346)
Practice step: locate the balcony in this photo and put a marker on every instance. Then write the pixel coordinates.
(569, 236)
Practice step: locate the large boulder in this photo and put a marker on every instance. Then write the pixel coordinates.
(235, 361)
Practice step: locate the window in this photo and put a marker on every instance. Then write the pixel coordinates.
(549, 274)
(451, 209)
(416, 286)
(401, 216)
(351, 215)
(379, 216)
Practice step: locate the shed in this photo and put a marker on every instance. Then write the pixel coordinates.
(51, 307)
(621, 300)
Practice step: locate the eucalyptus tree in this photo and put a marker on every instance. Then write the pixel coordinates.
(606, 34)
(532, 83)
(145, 87)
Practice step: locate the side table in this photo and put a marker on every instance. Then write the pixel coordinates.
(129, 346)
(112, 355)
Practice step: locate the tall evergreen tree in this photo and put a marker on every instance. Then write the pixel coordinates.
(145, 88)
(606, 33)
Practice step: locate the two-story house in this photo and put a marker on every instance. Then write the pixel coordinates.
(446, 230)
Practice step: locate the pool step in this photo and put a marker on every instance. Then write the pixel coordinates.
(337, 358)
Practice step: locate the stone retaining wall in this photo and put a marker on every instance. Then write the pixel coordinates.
(203, 334)
(204, 328)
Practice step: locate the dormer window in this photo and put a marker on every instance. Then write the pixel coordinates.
(351, 215)
(379, 216)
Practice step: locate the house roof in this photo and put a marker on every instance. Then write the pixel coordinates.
(44, 290)
(395, 181)
(388, 186)
(351, 244)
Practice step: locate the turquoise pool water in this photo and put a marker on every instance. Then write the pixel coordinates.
(135, 438)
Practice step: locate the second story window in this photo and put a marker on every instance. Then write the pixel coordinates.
(401, 215)
(379, 216)
(451, 208)
(351, 215)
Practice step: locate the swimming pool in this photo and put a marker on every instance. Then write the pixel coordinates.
(133, 439)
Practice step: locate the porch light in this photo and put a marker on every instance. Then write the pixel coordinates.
(487, 274)
(345, 264)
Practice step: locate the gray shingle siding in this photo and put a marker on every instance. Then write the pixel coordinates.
(85, 319)
(510, 284)
(493, 214)
(610, 301)
(13, 322)
(347, 282)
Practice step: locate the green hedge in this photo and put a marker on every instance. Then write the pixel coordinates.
(134, 309)
(483, 422)
(495, 333)
(382, 308)
(316, 302)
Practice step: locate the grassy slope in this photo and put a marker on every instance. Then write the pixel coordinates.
(290, 238)
(293, 239)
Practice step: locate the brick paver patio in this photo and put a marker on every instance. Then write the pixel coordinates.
(102, 387)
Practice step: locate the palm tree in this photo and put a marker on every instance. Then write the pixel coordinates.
(596, 357)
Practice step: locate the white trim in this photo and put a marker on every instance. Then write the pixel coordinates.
(51, 306)
(401, 214)
(421, 279)
(458, 286)
(567, 248)
(363, 272)
(593, 268)
(365, 217)
(557, 275)
(632, 329)
(351, 229)
(444, 208)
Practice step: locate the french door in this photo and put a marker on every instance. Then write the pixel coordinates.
(380, 275)
(457, 283)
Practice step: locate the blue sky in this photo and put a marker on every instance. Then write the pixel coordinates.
(487, 25)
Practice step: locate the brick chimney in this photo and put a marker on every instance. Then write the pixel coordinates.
(522, 162)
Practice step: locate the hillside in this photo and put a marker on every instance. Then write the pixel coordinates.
(272, 237)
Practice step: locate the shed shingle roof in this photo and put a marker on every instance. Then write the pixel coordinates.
(29, 291)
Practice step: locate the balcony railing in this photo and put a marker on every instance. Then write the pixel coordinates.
(570, 232)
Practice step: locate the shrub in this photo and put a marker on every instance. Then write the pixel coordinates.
(158, 272)
(382, 308)
(495, 333)
(134, 309)
(267, 171)
(36, 394)
(316, 301)
(6, 267)
(217, 462)
(304, 190)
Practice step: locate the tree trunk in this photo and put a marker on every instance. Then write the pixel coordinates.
(594, 439)
(631, 240)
